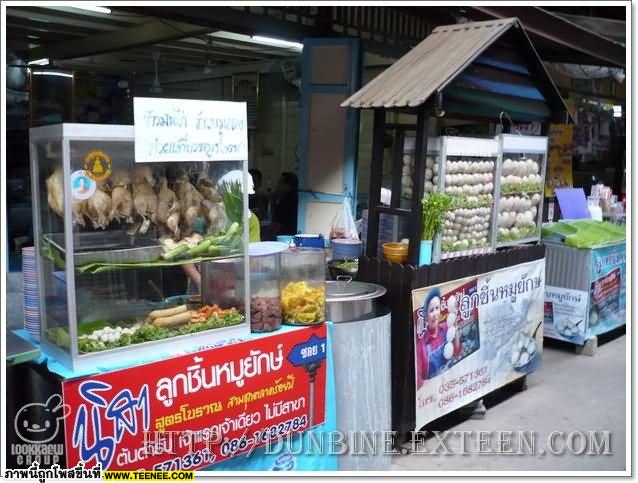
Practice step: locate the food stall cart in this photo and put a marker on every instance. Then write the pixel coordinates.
(474, 71)
(145, 301)
(585, 295)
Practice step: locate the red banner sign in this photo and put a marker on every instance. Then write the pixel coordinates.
(191, 411)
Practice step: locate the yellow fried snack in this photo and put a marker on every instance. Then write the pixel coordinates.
(302, 304)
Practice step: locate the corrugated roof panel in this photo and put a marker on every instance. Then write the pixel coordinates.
(429, 66)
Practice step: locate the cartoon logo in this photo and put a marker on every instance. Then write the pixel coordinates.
(40, 423)
(98, 165)
(82, 185)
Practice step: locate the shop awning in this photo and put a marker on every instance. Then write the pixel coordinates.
(480, 69)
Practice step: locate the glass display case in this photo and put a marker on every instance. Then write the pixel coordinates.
(265, 295)
(519, 199)
(303, 286)
(465, 169)
(121, 245)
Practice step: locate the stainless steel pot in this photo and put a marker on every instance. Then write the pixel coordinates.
(350, 301)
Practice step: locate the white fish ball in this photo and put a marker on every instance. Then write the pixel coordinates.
(448, 351)
(451, 331)
(536, 198)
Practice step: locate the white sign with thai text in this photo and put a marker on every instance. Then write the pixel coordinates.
(174, 130)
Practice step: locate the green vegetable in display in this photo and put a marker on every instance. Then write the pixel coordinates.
(146, 333)
(233, 201)
(47, 250)
(60, 337)
(200, 248)
(347, 266)
(433, 206)
(180, 249)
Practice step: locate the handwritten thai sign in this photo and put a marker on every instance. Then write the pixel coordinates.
(173, 130)
(192, 411)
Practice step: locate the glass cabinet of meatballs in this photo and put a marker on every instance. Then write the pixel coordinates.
(465, 169)
(121, 246)
(495, 190)
(519, 201)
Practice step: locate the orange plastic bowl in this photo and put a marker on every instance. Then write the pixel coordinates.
(395, 252)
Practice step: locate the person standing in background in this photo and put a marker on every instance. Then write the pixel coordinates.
(285, 203)
(258, 202)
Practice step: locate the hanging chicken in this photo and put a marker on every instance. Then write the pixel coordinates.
(98, 209)
(207, 187)
(190, 201)
(168, 208)
(122, 200)
(55, 198)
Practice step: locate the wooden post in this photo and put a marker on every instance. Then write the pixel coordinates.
(397, 166)
(422, 126)
(376, 175)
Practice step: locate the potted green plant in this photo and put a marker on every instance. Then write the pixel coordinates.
(433, 206)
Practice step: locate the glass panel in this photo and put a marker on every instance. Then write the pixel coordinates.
(521, 194)
(392, 229)
(50, 219)
(470, 183)
(141, 233)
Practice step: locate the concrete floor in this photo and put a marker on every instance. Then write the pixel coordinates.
(569, 393)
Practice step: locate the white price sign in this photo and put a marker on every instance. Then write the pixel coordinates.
(189, 130)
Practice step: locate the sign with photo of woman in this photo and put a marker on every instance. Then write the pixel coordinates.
(475, 335)
(445, 336)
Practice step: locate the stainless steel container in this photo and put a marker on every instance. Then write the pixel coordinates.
(361, 351)
(349, 301)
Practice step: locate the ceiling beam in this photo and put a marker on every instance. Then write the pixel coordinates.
(127, 38)
(230, 19)
(46, 16)
(217, 72)
(566, 35)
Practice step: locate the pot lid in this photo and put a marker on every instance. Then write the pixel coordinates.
(260, 249)
(345, 288)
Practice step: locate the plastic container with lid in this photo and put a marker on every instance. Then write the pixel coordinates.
(265, 298)
(303, 286)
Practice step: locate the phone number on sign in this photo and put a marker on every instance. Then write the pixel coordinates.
(187, 462)
(238, 445)
(232, 447)
(463, 393)
(452, 384)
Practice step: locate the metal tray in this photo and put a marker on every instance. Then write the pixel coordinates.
(109, 247)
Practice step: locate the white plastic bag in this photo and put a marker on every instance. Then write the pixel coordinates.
(343, 224)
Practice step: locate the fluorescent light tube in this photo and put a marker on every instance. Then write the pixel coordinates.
(52, 72)
(92, 8)
(277, 42)
(39, 62)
